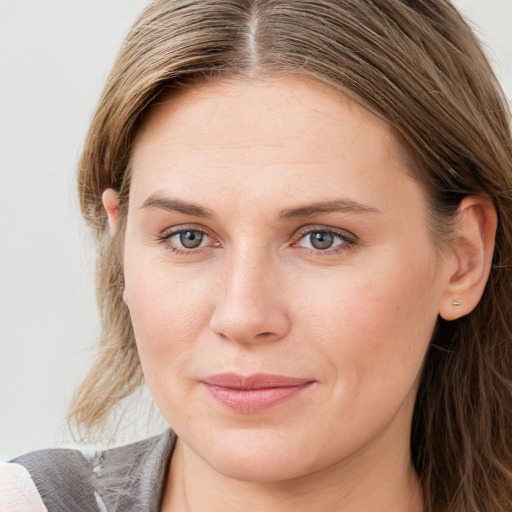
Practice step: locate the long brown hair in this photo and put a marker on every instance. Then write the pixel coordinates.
(414, 63)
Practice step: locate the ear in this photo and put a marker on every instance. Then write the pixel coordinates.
(471, 253)
(110, 200)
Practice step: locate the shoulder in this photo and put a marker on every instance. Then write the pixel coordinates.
(62, 477)
(114, 479)
(18, 492)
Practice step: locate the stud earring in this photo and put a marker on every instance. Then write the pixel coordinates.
(456, 302)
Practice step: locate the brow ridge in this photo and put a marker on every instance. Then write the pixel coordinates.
(156, 200)
(337, 205)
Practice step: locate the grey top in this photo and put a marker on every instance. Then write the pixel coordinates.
(128, 478)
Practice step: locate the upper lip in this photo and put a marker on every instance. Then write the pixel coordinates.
(255, 381)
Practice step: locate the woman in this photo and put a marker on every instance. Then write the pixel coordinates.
(303, 215)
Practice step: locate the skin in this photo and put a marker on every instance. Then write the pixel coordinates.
(258, 297)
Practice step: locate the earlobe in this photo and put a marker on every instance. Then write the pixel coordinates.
(110, 200)
(471, 250)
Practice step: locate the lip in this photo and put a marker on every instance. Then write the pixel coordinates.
(254, 393)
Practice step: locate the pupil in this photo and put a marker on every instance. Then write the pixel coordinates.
(191, 239)
(321, 239)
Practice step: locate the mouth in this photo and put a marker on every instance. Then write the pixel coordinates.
(254, 393)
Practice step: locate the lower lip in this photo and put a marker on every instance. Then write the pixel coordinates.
(250, 401)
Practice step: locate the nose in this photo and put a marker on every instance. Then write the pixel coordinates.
(249, 306)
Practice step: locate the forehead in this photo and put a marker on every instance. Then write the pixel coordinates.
(290, 132)
(263, 105)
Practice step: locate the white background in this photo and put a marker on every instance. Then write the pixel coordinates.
(54, 59)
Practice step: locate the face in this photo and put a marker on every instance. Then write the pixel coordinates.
(281, 279)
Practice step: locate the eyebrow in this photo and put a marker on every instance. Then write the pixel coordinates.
(337, 205)
(176, 205)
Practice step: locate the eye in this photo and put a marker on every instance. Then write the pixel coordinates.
(190, 239)
(324, 240)
(182, 240)
(321, 239)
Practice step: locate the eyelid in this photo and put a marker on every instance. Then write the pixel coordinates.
(169, 231)
(349, 240)
(165, 235)
(305, 230)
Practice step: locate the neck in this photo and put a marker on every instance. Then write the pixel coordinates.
(372, 482)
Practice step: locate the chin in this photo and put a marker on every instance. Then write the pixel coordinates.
(258, 458)
(264, 467)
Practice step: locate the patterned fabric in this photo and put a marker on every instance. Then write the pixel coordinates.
(128, 478)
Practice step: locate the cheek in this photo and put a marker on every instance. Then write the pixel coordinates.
(374, 327)
(168, 311)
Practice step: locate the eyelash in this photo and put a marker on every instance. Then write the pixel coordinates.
(348, 240)
(164, 239)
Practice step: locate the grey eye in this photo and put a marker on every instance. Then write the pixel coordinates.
(191, 239)
(321, 240)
